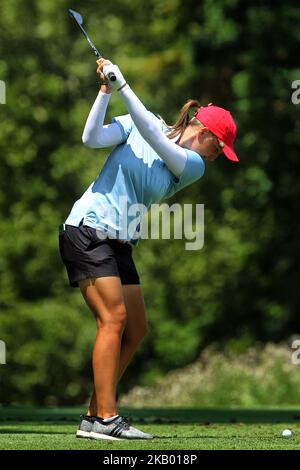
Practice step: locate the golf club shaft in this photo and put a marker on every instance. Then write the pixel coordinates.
(111, 76)
(97, 53)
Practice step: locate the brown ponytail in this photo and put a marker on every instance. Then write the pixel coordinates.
(183, 119)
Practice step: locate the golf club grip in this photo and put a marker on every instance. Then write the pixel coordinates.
(112, 77)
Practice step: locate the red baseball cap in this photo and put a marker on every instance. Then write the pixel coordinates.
(219, 121)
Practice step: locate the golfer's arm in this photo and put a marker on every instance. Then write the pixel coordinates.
(95, 135)
(174, 156)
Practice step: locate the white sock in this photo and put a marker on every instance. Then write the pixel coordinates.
(108, 420)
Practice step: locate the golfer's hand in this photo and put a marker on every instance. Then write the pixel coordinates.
(119, 82)
(100, 64)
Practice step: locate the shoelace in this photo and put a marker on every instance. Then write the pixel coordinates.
(124, 422)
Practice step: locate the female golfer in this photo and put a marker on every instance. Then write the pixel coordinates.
(150, 162)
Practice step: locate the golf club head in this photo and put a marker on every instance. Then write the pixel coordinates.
(77, 16)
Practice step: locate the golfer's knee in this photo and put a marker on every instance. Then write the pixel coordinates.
(116, 320)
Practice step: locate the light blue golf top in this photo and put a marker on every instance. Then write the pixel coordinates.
(133, 173)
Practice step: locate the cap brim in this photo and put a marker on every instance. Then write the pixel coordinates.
(230, 153)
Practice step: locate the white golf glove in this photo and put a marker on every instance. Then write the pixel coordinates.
(120, 80)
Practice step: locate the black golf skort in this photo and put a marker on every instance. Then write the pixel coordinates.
(85, 255)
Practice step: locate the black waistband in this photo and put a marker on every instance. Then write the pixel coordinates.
(63, 227)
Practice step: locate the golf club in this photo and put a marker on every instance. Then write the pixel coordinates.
(79, 20)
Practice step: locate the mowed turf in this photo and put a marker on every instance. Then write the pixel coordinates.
(175, 429)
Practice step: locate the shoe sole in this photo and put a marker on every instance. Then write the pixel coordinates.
(83, 434)
(99, 436)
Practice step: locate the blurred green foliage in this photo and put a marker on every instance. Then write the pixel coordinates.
(243, 285)
(259, 377)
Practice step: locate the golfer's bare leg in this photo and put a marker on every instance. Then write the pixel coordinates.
(136, 325)
(104, 296)
(135, 331)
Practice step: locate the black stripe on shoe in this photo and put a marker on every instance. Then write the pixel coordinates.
(116, 431)
(119, 432)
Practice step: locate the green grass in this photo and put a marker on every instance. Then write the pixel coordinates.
(186, 429)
